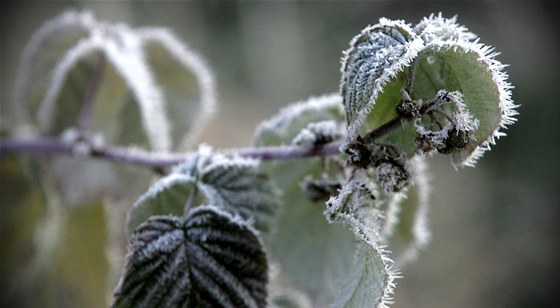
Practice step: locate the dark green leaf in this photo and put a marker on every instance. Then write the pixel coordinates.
(209, 260)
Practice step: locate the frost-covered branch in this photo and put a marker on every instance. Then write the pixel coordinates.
(143, 158)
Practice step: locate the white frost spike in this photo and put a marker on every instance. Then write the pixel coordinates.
(195, 64)
(463, 119)
(436, 27)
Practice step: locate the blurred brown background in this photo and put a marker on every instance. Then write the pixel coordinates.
(495, 227)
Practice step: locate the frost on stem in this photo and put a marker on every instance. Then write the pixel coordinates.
(448, 129)
(318, 133)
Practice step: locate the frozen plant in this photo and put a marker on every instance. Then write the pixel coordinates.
(309, 215)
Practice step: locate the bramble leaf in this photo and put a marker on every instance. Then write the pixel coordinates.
(374, 58)
(209, 259)
(108, 83)
(313, 254)
(167, 196)
(371, 279)
(233, 184)
(236, 185)
(447, 57)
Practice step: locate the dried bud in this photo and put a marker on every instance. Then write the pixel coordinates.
(391, 175)
(408, 108)
(320, 190)
(359, 154)
(456, 139)
(317, 133)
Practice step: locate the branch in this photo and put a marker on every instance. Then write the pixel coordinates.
(145, 158)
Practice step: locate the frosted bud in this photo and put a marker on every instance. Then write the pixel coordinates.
(391, 175)
(317, 133)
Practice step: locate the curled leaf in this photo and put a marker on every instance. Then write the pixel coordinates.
(209, 259)
(370, 281)
(436, 55)
(376, 55)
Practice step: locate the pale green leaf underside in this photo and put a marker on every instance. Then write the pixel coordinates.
(453, 70)
(447, 58)
(312, 253)
(458, 69)
(370, 281)
(367, 280)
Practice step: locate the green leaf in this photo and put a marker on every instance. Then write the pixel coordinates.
(312, 253)
(376, 56)
(233, 184)
(370, 281)
(187, 82)
(209, 260)
(406, 220)
(447, 57)
(236, 185)
(167, 196)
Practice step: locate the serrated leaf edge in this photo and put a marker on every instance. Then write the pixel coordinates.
(193, 63)
(281, 122)
(413, 47)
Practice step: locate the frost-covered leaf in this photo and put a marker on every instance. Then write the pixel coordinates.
(239, 187)
(43, 50)
(233, 184)
(406, 220)
(446, 57)
(208, 260)
(145, 88)
(185, 80)
(462, 64)
(370, 281)
(375, 56)
(167, 196)
(312, 253)
(290, 121)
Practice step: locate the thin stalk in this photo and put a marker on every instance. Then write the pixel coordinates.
(143, 158)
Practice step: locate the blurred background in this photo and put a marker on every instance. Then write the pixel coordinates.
(495, 228)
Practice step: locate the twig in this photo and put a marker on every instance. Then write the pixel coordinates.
(149, 159)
